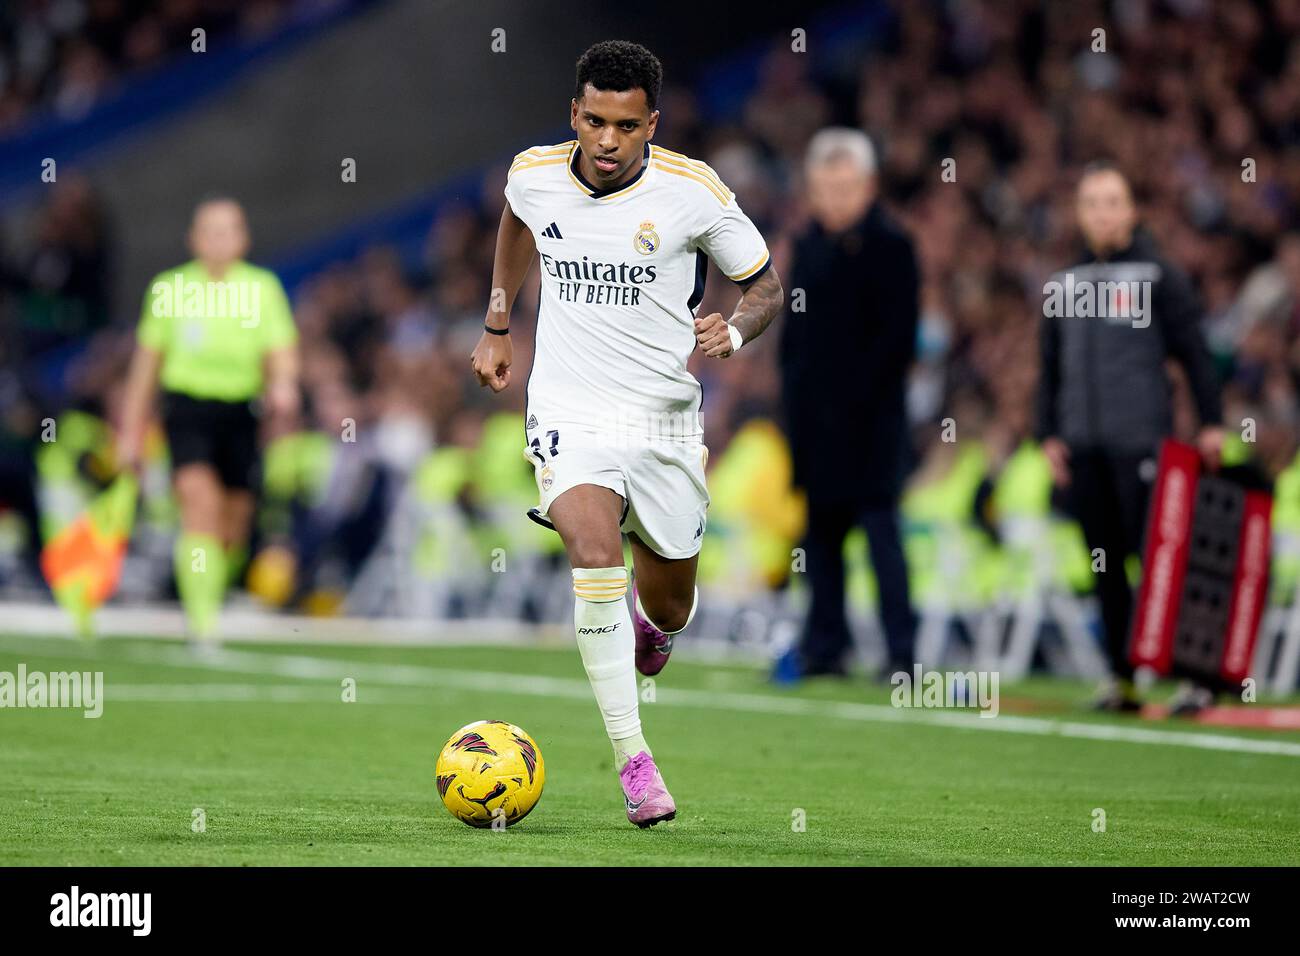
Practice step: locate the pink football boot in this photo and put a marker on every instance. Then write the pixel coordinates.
(648, 800)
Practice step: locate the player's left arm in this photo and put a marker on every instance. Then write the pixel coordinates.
(1179, 313)
(738, 249)
(760, 301)
(280, 363)
(281, 390)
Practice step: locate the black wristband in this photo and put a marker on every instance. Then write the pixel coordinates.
(489, 328)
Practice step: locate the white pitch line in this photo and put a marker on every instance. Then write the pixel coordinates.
(223, 693)
(250, 624)
(318, 668)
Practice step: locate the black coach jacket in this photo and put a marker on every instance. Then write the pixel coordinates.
(848, 338)
(1107, 328)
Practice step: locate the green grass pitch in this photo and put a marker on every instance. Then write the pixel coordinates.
(285, 772)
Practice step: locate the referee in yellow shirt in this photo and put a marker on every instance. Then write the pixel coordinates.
(216, 332)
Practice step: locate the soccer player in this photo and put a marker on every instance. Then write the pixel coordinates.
(622, 228)
(217, 332)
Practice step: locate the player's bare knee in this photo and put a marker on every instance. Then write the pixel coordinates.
(676, 619)
(670, 612)
(591, 552)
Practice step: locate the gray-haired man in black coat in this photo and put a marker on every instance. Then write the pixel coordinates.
(856, 273)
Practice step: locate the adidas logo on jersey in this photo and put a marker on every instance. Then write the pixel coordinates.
(552, 232)
(532, 423)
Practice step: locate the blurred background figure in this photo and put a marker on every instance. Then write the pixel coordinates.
(62, 290)
(1104, 400)
(218, 334)
(846, 349)
(54, 310)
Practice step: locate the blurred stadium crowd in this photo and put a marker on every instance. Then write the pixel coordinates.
(65, 54)
(1198, 103)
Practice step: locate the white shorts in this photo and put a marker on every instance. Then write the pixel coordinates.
(665, 500)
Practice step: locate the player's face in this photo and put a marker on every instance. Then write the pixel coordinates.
(219, 234)
(1106, 211)
(839, 193)
(613, 128)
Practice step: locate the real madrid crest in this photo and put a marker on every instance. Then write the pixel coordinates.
(646, 239)
(548, 478)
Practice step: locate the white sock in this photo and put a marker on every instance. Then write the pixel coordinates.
(608, 648)
(695, 603)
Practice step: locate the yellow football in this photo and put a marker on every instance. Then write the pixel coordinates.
(490, 774)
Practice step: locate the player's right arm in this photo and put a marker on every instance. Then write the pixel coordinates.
(153, 335)
(516, 247)
(1049, 380)
(281, 364)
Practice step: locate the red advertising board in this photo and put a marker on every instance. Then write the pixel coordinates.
(1204, 572)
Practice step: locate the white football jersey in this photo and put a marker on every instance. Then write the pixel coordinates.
(622, 274)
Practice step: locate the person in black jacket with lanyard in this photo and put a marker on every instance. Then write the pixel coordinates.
(1110, 322)
(857, 274)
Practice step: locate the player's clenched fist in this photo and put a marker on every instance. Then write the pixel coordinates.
(491, 360)
(714, 336)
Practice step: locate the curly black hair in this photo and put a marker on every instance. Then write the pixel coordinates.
(620, 65)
